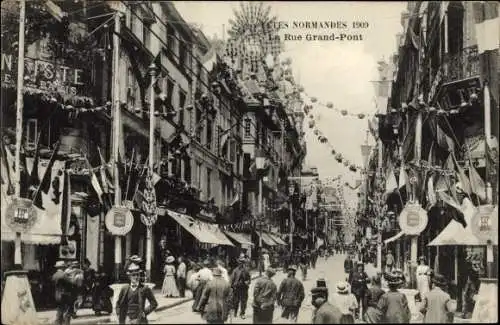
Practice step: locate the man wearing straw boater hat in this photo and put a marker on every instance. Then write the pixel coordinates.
(324, 313)
(437, 305)
(131, 304)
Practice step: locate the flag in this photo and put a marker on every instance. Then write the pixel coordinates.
(223, 143)
(210, 60)
(403, 176)
(441, 185)
(34, 178)
(6, 172)
(391, 183)
(454, 204)
(156, 178)
(477, 184)
(487, 35)
(47, 176)
(373, 127)
(235, 200)
(95, 182)
(443, 140)
(431, 194)
(146, 79)
(464, 180)
(487, 22)
(105, 173)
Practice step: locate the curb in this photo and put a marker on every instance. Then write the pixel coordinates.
(106, 319)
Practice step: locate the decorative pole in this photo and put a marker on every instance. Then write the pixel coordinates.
(19, 121)
(116, 134)
(150, 209)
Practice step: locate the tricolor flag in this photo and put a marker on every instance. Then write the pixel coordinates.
(487, 36)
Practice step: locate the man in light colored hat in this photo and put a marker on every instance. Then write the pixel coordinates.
(437, 305)
(63, 293)
(204, 275)
(346, 302)
(264, 297)
(291, 295)
(131, 304)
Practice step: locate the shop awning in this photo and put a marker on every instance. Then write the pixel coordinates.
(266, 239)
(277, 239)
(393, 238)
(241, 238)
(202, 231)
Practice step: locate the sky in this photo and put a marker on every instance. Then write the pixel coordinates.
(332, 71)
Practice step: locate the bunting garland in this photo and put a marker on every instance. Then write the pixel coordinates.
(330, 106)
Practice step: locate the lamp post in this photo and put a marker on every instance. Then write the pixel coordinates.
(259, 164)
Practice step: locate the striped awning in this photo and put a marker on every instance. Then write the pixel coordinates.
(204, 232)
(266, 239)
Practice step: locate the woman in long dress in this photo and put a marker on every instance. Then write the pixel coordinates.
(169, 288)
(423, 280)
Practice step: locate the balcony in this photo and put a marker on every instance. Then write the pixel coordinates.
(462, 65)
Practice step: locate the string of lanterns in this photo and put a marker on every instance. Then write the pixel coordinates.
(330, 106)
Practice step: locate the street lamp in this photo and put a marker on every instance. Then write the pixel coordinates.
(260, 162)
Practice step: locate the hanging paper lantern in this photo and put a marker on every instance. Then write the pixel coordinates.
(314, 99)
(333, 151)
(316, 132)
(311, 124)
(343, 112)
(346, 163)
(361, 116)
(329, 105)
(311, 117)
(338, 157)
(353, 168)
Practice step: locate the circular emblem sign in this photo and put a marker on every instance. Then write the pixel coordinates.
(119, 220)
(484, 223)
(20, 215)
(413, 219)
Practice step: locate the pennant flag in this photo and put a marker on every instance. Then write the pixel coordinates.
(235, 199)
(403, 177)
(431, 194)
(105, 173)
(224, 136)
(47, 176)
(443, 140)
(210, 60)
(34, 178)
(441, 185)
(94, 181)
(459, 215)
(464, 180)
(391, 183)
(477, 183)
(6, 171)
(156, 178)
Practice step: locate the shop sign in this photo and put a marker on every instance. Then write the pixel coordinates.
(44, 71)
(484, 223)
(413, 219)
(21, 215)
(119, 220)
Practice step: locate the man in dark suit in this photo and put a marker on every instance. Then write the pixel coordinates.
(215, 300)
(131, 304)
(291, 295)
(240, 282)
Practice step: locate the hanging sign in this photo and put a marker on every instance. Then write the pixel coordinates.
(21, 215)
(119, 220)
(484, 223)
(413, 219)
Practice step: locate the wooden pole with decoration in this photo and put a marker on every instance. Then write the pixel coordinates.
(18, 306)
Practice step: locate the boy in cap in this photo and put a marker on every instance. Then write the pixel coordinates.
(291, 295)
(131, 304)
(264, 297)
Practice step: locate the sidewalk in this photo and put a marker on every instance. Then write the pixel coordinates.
(87, 316)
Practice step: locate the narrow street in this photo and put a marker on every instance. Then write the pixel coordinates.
(332, 270)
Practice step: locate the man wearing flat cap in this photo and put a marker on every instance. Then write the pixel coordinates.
(291, 295)
(240, 282)
(324, 313)
(265, 294)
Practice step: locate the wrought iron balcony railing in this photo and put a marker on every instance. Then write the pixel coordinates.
(462, 65)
